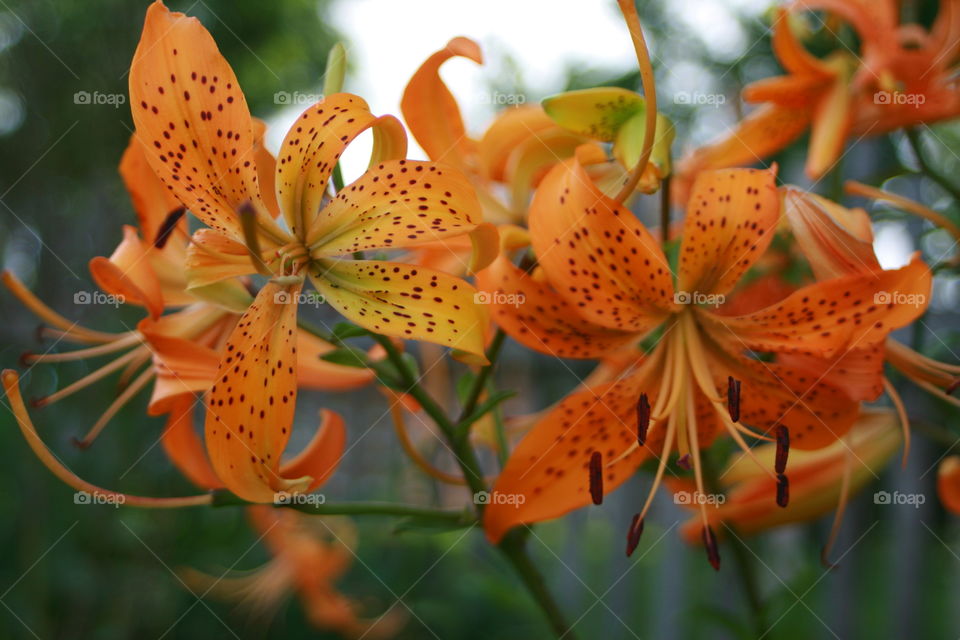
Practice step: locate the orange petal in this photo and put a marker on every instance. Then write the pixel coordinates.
(266, 168)
(320, 457)
(535, 315)
(547, 475)
(183, 366)
(397, 204)
(858, 372)
(314, 373)
(787, 91)
(213, 257)
(790, 52)
(948, 483)
(192, 118)
(250, 407)
(311, 150)
(836, 240)
(512, 128)
(152, 201)
(431, 111)
(185, 448)
(731, 219)
(772, 394)
(530, 161)
(484, 247)
(830, 317)
(406, 301)
(832, 119)
(597, 254)
(128, 273)
(765, 131)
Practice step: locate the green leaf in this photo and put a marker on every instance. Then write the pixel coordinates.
(347, 356)
(345, 330)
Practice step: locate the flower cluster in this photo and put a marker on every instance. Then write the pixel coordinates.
(760, 325)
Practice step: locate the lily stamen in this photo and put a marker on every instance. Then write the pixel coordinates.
(634, 533)
(783, 449)
(643, 418)
(733, 398)
(596, 477)
(90, 378)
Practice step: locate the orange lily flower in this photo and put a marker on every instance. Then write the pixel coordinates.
(903, 76)
(178, 351)
(307, 560)
(194, 125)
(839, 242)
(948, 483)
(820, 480)
(605, 282)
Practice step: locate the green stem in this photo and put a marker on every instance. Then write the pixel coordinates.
(741, 556)
(480, 382)
(913, 136)
(222, 498)
(665, 211)
(512, 545)
(462, 451)
(514, 548)
(748, 580)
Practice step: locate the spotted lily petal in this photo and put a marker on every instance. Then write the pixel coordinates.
(535, 315)
(830, 317)
(731, 219)
(192, 118)
(313, 146)
(397, 204)
(251, 404)
(405, 301)
(548, 474)
(597, 254)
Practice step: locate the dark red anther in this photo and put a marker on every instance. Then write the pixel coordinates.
(713, 551)
(684, 462)
(733, 398)
(25, 358)
(596, 477)
(166, 228)
(643, 418)
(783, 449)
(634, 533)
(783, 490)
(953, 387)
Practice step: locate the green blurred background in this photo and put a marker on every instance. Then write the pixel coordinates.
(95, 572)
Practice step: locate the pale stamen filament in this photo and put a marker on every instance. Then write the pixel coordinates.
(90, 378)
(142, 380)
(82, 354)
(841, 505)
(902, 415)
